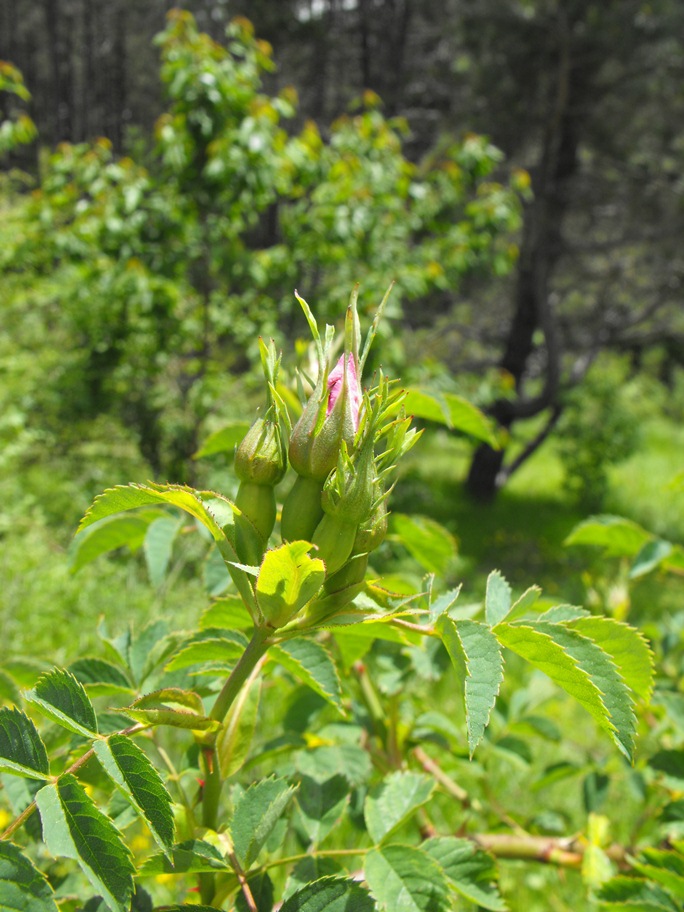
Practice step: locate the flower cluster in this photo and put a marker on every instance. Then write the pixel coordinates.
(343, 451)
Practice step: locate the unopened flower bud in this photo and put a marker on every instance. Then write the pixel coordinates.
(260, 458)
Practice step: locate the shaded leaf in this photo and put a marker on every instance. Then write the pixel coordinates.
(130, 769)
(235, 737)
(329, 894)
(476, 656)
(9, 689)
(470, 871)
(158, 547)
(23, 888)
(321, 804)
(636, 895)
(73, 827)
(99, 676)
(619, 537)
(426, 540)
(406, 879)
(393, 800)
(192, 857)
(261, 888)
(21, 750)
(62, 698)
(107, 535)
(171, 706)
(256, 812)
(224, 440)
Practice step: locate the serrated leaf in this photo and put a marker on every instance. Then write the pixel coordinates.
(99, 676)
(309, 869)
(635, 895)
(522, 605)
(329, 894)
(311, 663)
(158, 547)
(73, 827)
(664, 867)
(497, 598)
(288, 578)
(130, 769)
(171, 706)
(426, 540)
(23, 888)
(470, 871)
(62, 698)
(627, 647)
(453, 411)
(393, 800)
(618, 536)
(406, 879)
(148, 648)
(235, 737)
(256, 812)
(107, 535)
(443, 603)
(476, 656)
(215, 648)
(22, 752)
(562, 614)
(321, 804)
(192, 857)
(582, 669)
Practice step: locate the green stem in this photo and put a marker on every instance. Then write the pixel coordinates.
(256, 648)
(211, 792)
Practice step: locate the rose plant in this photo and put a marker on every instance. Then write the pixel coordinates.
(267, 753)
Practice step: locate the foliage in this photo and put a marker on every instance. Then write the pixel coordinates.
(182, 732)
(137, 288)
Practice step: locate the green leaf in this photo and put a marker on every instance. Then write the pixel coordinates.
(129, 497)
(129, 768)
(261, 888)
(23, 888)
(108, 534)
(21, 750)
(522, 605)
(288, 578)
(470, 871)
(9, 690)
(73, 827)
(100, 677)
(627, 647)
(426, 540)
(650, 556)
(635, 895)
(235, 737)
(209, 648)
(228, 613)
(321, 805)
(256, 812)
(453, 411)
(224, 440)
(497, 598)
(476, 656)
(63, 699)
(171, 706)
(393, 801)
(158, 546)
(192, 857)
(671, 764)
(310, 662)
(618, 536)
(664, 867)
(406, 879)
(329, 894)
(349, 760)
(582, 669)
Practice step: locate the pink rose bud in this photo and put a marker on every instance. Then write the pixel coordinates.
(336, 380)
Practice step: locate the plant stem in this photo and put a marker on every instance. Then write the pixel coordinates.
(256, 648)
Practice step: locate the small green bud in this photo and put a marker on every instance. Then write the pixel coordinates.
(261, 458)
(373, 533)
(334, 539)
